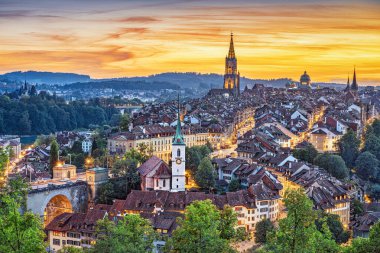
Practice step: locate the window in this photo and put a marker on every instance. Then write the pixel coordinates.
(156, 182)
(56, 233)
(164, 183)
(56, 242)
(178, 152)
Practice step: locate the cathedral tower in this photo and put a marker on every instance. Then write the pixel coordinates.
(354, 85)
(178, 158)
(232, 76)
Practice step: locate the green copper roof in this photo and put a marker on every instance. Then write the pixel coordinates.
(178, 137)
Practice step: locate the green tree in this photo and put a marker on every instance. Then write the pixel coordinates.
(263, 228)
(70, 249)
(366, 245)
(374, 191)
(124, 122)
(54, 153)
(372, 145)
(297, 232)
(339, 234)
(234, 185)
(376, 127)
(349, 148)
(358, 207)
(367, 166)
(199, 230)
(193, 159)
(333, 164)
(205, 175)
(19, 232)
(194, 156)
(307, 154)
(228, 221)
(132, 234)
(4, 160)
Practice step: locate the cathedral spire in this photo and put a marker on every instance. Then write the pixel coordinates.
(178, 137)
(354, 85)
(231, 52)
(348, 84)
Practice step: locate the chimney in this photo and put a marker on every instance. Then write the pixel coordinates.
(290, 165)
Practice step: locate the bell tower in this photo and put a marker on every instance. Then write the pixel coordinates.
(178, 158)
(231, 75)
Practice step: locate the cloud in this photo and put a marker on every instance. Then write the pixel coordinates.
(124, 31)
(137, 19)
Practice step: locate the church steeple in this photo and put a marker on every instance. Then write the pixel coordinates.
(231, 52)
(178, 137)
(348, 84)
(354, 85)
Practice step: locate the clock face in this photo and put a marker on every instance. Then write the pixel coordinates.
(178, 161)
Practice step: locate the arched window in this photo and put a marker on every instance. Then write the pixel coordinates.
(178, 152)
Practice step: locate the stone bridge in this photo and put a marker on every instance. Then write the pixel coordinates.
(53, 199)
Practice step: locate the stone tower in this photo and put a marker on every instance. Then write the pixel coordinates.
(231, 76)
(178, 158)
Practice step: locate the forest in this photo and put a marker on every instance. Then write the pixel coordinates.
(44, 114)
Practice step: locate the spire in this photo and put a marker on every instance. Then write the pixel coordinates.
(354, 85)
(178, 137)
(231, 52)
(348, 84)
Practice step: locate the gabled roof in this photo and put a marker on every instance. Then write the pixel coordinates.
(149, 165)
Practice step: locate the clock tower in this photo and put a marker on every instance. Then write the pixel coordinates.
(178, 158)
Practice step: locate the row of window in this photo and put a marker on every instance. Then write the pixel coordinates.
(69, 242)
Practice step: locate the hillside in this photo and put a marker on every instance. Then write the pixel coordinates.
(45, 77)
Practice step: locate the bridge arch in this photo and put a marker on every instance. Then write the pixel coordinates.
(57, 205)
(53, 200)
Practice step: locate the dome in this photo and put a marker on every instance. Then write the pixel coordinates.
(305, 79)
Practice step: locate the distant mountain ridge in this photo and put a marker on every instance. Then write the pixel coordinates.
(181, 79)
(45, 77)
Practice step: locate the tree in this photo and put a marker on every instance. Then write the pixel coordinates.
(132, 234)
(358, 207)
(339, 234)
(205, 175)
(365, 245)
(234, 185)
(333, 164)
(263, 228)
(124, 122)
(372, 145)
(194, 156)
(297, 232)
(193, 159)
(4, 160)
(228, 220)
(349, 148)
(199, 230)
(374, 191)
(19, 232)
(376, 127)
(70, 249)
(54, 153)
(367, 166)
(307, 154)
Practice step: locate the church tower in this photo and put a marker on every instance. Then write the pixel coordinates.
(178, 158)
(231, 76)
(354, 85)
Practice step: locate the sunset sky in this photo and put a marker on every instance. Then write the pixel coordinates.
(116, 38)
